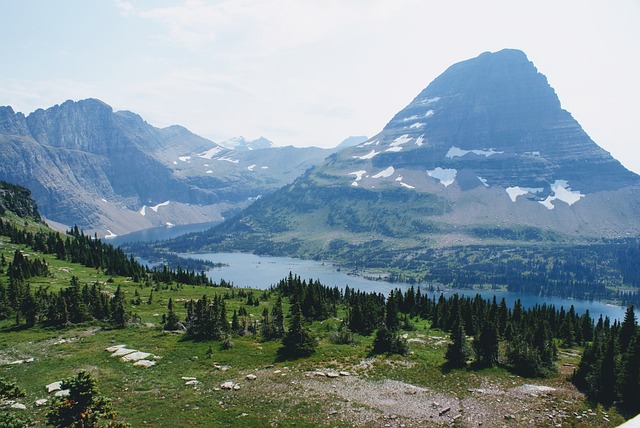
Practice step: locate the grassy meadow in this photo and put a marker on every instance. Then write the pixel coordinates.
(284, 393)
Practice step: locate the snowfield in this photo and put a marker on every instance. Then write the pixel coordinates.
(562, 192)
(458, 152)
(385, 173)
(369, 155)
(210, 153)
(445, 176)
(359, 175)
(162, 204)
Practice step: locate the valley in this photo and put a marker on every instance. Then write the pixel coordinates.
(475, 263)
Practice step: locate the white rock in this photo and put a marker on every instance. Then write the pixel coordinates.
(55, 386)
(63, 393)
(192, 382)
(144, 363)
(333, 375)
(251, 376)
(344, 373)
(135, 356)
(41, 402)
(120, 352)
(18, 406)
(188, 378)
(227, 385)
(113, 348)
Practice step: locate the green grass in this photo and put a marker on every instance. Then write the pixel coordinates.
(157, 396)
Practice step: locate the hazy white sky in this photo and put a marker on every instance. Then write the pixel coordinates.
(312, 72)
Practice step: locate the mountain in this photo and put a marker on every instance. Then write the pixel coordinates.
(113, 173)
(242, 144)
(484, 155)
(351, 141)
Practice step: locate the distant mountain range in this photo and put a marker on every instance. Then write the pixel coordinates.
(112, 173)
(484, 155)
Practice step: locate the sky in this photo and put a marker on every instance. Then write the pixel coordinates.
(312, 72)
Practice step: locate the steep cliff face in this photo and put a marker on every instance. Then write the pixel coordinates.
(485, 151)
(113, 173)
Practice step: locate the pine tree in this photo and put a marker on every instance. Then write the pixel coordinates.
(171, 320)
(84, 407)
(486, 345)
(607, 374)
(118, 313)
(630, 384)
(627, 329)
(458, 350)
(297, 341)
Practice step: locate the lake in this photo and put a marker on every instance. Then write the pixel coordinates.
(249, 270)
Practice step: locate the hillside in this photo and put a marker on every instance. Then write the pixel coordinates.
(483, 161)
(223, 362)
(113, 173)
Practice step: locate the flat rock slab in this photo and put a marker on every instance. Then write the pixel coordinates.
(55, 386)
(135, 356)
(144, 363)
(120, 352)
(115, 348)
(63, 393)
(41, 402)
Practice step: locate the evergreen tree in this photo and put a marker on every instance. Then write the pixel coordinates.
(297, 341)
(84, 407)
(607, 374)
(277, 318)
(630, 374)
(118, 313)
(485, 345)
(388, 341)
(171, 320)
(627, 329)
(458, 350)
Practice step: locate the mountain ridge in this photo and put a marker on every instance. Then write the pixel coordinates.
(100, 169)
(482, 152)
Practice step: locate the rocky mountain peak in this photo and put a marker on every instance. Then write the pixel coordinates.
(495, 117)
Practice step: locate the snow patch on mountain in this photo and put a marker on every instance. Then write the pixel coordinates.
(251, 167)
(110, 235)
(410, 118)
(419, 140)
(209, 171)
(369, 155)
(403, 139)
(394, 149)
(458, 152)
(359, 175)
(516, 191)
(417, 125)
(161, 204)
(384, 173)
(483, 181)
(445, 176)
(429, 100)
(369, 143)
(224, 158)
(210, 153)
(408, 186)
(184, 158)
(429, 113)
(143, 210)
(562, 192)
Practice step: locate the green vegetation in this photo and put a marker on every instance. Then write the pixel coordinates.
(219, 335)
